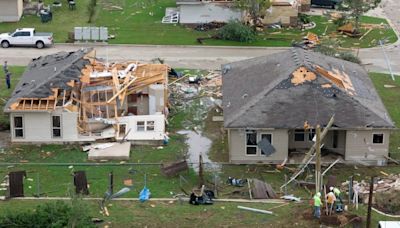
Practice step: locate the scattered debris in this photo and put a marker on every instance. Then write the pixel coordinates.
(261, 190)
(172, 169)
(291, 198)
(255, 210)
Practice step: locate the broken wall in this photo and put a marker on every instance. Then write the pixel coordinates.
(237, 147)
(327, 141)
(144, 127)
(156, 98)
(359, 145)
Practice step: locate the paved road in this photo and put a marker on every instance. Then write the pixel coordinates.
(197, 57)
(189, 56)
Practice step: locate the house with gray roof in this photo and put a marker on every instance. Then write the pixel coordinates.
(273, 103)
(76, 97)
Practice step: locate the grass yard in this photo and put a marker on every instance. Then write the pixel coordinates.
(176, 214)
(139, 22)
(56, 179)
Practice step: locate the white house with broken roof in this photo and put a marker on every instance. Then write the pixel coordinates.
(273, 103)
(73, 97)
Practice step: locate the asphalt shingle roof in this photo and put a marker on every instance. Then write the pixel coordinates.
(258, 93)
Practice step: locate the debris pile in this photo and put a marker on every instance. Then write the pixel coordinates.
(389, 184)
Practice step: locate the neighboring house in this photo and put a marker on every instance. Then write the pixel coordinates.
(73, 97)
(11, 10)
(270, 101)
(200, 11)
(284, 12)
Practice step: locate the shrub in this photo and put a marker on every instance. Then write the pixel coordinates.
(58, 214)
(304, 18)
(237, 31)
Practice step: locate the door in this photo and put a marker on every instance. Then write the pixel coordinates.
(21, 38)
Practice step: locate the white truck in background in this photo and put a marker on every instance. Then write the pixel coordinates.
(26, 37)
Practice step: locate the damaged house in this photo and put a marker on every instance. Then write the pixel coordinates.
(73, 97)
(272, 105)
(284, 12)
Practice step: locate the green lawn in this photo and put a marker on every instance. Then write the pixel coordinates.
(139, 22)
(56, 180)
(167, 214)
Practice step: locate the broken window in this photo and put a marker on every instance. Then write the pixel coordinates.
(140, 126)
(299, 135)
(377, 138)
(150, 126)
(251, 143)
(266, 145)
(56, 126)
(18, 127)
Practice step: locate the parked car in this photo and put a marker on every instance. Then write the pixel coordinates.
(327, 3)
(26, 37)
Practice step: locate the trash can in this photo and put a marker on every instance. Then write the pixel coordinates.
(45, 16)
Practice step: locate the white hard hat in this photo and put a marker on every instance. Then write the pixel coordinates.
(331, 188)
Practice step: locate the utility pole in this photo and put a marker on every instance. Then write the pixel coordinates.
(318, 160)
(371, 191)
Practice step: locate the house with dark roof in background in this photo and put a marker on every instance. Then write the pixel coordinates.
(284, 12)
(75, 97)
(272, 105)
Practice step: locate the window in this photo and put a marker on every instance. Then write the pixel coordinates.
(269, 138)
(299, 135)
(56, 123)
(140, 126)
(311, 134)
(18, 127)
(150, 126)
(17, 34)
(251, 143)
(377, 138)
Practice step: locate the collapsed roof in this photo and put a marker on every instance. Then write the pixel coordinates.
(286, 89)
(78, 82)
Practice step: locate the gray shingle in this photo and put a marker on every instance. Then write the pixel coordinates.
(257, 93)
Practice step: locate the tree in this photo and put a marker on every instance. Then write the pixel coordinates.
(255, 8)
(357, 8)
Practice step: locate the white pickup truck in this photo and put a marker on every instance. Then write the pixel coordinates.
(26, 37)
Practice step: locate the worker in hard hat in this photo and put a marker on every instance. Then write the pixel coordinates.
(330, 199)
(317, 205)
(337, 193)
